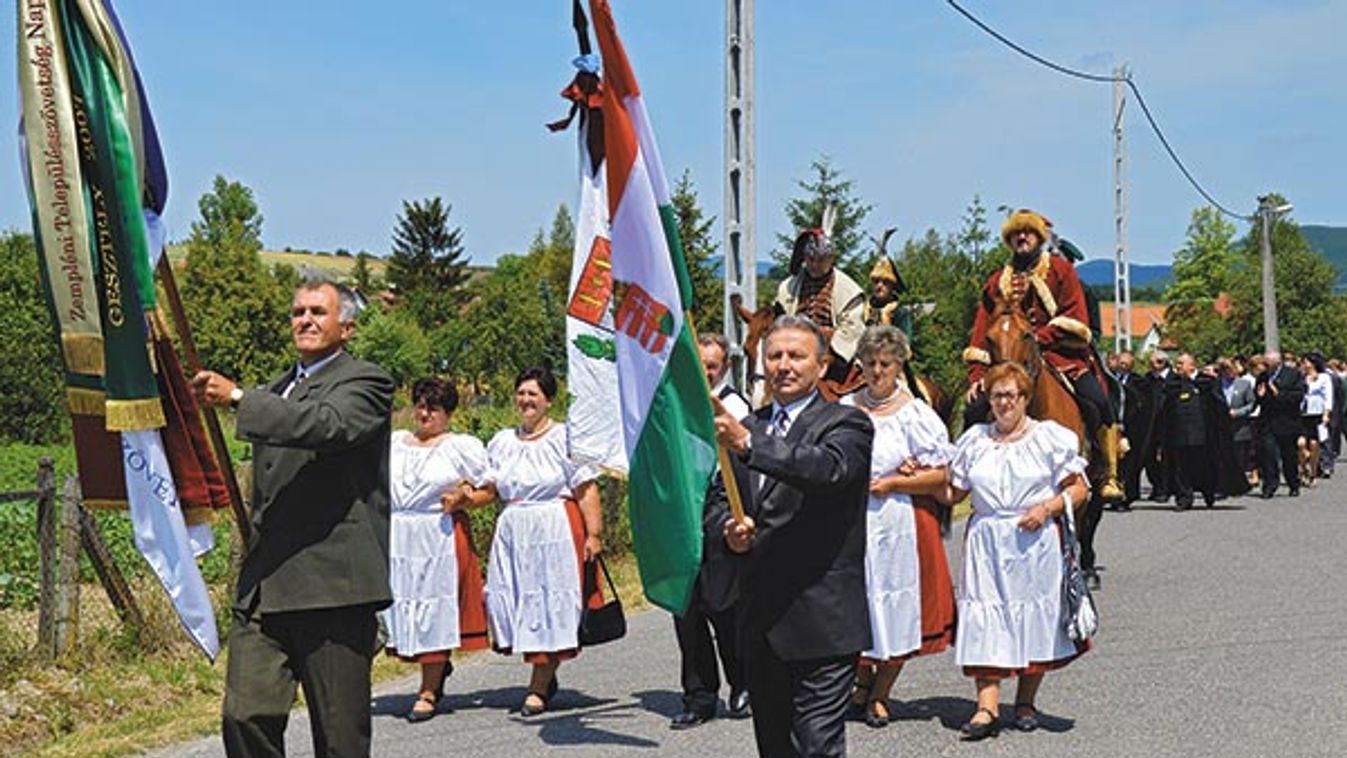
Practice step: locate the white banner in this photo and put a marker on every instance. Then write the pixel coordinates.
(594, 421)
(162, 537)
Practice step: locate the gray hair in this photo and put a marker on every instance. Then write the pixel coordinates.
(707, 339)
(348, 305)
(881, 338)
(803, 324)
(1162, 355)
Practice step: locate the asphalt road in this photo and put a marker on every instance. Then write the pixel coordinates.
(1223, 633)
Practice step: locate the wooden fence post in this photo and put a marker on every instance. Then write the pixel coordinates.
(111, 577)
(66, 631)
(46, 541)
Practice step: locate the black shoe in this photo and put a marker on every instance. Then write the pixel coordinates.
(1157, 497)
(1092, 580)
(974, 731)
(1266, 494)
(1026, 723)
(876, 714)
(1295, 492)
(738, 705)
(1210, 502)
(1183, 505)
(528, 709)
(689, 719)
(415, 717)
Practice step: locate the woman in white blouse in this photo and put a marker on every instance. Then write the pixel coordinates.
(1021, 474)
(1314, 413)
(911, 451)
(432, 571)
(549, 524)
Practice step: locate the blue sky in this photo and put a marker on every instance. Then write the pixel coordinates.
(334, 112)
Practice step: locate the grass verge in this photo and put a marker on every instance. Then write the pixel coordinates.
(122, 694)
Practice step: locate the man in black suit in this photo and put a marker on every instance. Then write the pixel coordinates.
(803, 465)
(1279, 392)
(712, 605)
(315, 570)
(1137, 416)
(1185, 432)
(1154, 458)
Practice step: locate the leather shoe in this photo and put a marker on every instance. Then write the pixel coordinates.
(689, 719)
(738, 705)
(974, 730)
(1027, 723)
(1266, 494)
(1295, 492)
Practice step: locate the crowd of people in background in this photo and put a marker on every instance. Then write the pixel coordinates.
(1233, 424)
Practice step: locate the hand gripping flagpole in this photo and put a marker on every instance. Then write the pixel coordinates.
(217, 439)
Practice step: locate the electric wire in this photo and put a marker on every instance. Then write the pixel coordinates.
(1132, 85)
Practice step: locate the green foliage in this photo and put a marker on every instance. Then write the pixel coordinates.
(32, 407)
(1309, 315)
(512, 322)
(697, 233)
(395, 342)
(362, 278)
(238, 310)
(824, 187)
(428, 265)
(1206, 265)
(555, 253)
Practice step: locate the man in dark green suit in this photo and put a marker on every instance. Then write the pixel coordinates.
(315, 570)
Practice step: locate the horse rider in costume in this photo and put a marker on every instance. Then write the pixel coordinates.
(886, 284)
(818, 289)
(1050, 294)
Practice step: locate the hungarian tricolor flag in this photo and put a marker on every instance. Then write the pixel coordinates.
(666, 405)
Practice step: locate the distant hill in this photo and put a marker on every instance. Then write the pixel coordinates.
(1331, 242)
(1099, 272)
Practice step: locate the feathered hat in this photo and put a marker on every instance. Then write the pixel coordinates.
(885, 268)
(814, 243)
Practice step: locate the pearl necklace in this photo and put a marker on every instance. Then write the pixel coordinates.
(880, 404)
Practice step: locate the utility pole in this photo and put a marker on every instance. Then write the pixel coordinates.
(1267, 213)
(740, 262)
(1122, 275)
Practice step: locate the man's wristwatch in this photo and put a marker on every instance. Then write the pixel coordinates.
(235, 397)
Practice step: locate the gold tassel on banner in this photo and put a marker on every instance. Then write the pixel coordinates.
(135, 415)
(84, 402)
(83, 353)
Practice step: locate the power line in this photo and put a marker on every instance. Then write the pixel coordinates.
(1145, 110)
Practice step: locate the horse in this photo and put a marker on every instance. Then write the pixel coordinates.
(758, 322)
(1010, 339)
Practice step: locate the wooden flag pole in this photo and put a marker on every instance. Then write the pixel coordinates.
(722, 454)
(217, 439)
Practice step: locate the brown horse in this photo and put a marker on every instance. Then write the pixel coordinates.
(1010, 338)
(759, 321)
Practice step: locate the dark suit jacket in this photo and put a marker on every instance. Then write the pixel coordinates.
(1182, 411)
(320, 490)
(803, 580)
(1279, 412)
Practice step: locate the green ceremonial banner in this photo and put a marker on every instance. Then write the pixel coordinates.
(52, 170)
(121, 248)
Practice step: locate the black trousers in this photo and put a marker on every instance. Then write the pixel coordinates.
(1158, 465)
(1131, 466)
(1278, 450)
(328, 652)
(1089, 526)
(697, 647)
(799, 707)
(1188, 469)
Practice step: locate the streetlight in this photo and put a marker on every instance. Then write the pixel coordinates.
(1267, 212)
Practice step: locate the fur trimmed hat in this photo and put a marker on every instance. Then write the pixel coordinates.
(1025, 220)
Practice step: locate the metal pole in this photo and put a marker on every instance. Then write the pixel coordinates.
(740, 262)
(1271, 336)
(1122, 276)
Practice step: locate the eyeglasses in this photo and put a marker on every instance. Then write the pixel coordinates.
(1006, 397)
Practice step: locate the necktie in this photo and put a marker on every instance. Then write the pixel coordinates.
(300, 376)
(780, 423)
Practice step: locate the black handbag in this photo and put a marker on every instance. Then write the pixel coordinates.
(605, 623)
